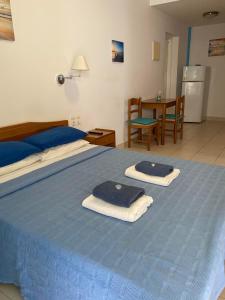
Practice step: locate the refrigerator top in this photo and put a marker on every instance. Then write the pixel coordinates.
(191, 81)
(194, 73)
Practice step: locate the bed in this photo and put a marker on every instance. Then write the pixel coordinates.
(53, 248)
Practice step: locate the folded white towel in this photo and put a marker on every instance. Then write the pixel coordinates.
(163, 181)
(131, 214)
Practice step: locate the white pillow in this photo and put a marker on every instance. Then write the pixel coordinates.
(20, 164)
(62, 150)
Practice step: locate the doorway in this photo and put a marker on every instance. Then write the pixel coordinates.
(171, 65)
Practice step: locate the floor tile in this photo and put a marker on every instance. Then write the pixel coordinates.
(222, 295)
(10, 291)
(221, 159)
(205, 158)
(183, 155)
(218, 141)
(222, 155)
(220, 162)
(3, 297)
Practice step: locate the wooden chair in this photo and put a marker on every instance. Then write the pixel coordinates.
(177, 119)
(147, 124)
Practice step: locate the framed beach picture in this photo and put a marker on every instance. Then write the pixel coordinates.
(6, 25)
(117, 51)
(217, 47)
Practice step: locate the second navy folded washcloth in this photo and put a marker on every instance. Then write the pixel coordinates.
(154, 169)
(117, 193)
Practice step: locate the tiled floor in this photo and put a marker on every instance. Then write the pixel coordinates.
(204, 142)
(9, 292)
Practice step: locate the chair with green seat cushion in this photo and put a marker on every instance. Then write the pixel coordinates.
(151, 126)
(176, 119)
(169, 116)
(144, 121)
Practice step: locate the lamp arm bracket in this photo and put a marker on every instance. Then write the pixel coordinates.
(61, 78)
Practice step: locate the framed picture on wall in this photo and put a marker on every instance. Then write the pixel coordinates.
(217, 47)
(6, 24)
(117, 51)
(155, 51)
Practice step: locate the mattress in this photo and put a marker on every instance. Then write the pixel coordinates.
(53, 248)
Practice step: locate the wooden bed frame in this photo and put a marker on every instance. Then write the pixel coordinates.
(20, 131)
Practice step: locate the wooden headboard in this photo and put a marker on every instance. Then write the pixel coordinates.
(20, 131)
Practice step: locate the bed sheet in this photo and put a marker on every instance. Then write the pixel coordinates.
(42, 164)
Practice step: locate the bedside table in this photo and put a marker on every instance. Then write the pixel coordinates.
(107, 138)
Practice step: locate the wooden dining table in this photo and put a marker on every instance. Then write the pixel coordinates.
(159, 105)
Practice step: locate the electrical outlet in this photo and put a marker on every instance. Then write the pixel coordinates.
(75, 121)
(78, 121)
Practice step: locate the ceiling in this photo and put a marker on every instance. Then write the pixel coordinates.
(190, 11)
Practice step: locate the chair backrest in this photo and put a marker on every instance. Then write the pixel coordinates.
(134, 106)
(180, 104)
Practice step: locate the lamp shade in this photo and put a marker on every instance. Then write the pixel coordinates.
(80, 64)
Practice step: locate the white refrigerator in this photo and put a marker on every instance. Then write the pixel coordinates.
(193, 87)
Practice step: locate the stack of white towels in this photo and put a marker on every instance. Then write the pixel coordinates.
(129, 212)
(163, 181)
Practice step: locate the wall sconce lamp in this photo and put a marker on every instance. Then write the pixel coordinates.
(79, 64)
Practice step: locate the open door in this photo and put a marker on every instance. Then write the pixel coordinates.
(171, 68)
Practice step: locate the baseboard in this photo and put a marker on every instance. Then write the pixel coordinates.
(122, 145)
(215, 119)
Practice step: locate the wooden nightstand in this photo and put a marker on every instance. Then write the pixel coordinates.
(107, 138)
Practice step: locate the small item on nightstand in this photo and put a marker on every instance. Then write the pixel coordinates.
(101, 137)
(97, 132)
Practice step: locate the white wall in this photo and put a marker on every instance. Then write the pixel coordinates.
(199, 55)
(28, 66)
(49, 34)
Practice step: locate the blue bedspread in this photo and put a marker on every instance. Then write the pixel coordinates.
(57, 250)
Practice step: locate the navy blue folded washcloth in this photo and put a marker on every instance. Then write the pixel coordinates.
(154, 169)
(117, 193)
